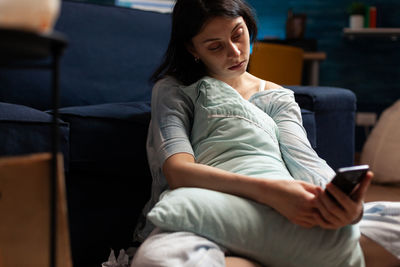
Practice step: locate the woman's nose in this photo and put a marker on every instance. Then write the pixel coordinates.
(233, 50)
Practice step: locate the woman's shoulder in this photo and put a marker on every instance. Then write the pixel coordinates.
(270, 85)
(167, 81)
(274, 95)
(275, 89)
(264, 85)
(166, 87)
(167, 92)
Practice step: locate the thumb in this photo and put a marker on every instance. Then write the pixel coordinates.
(313, 189)
(363, 188)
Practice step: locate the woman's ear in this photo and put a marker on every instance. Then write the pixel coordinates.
(190, 48)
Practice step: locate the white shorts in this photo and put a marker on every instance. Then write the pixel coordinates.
(178, 249)
(381, 223)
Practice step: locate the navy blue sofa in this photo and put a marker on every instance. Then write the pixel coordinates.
(105, 112)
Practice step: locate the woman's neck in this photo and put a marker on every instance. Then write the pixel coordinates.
(237, 82)
(245, 84)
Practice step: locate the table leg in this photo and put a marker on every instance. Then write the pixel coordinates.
(314, 73)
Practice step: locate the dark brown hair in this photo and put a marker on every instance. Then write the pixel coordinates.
(188, 18)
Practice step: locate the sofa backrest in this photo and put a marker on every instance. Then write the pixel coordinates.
(112, 52)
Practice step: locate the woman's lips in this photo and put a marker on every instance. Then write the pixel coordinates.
(238, 66)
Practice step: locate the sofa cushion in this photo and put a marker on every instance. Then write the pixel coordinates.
(324, 98)
(109, 179)
(116, 49)
(25, 130)
(107, 137)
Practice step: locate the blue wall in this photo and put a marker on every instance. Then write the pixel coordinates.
(370, 67)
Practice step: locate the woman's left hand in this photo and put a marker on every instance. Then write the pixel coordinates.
(346, 209)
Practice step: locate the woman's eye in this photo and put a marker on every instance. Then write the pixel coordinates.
(214, 47)
(238, 34)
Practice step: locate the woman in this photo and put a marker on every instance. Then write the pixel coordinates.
(212, 38)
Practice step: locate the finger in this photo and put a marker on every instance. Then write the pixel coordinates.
(344, 201)
(305, 222)
(329, 210)
(315, 190)
(359, 195)
(349, 206)
(323, 223)
(305, 217)
(352, 209)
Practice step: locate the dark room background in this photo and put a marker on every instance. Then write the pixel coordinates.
(368, 66)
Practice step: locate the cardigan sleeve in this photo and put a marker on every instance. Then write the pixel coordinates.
(300, 158)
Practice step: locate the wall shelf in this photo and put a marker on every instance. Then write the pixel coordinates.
(391, 33)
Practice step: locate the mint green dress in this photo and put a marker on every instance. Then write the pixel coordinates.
(259, 137)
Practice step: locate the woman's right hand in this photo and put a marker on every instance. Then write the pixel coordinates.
(296, 200)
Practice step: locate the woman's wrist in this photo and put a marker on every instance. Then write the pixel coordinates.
(267, 192)
(358, 219)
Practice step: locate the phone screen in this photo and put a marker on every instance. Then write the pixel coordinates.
(347, 178)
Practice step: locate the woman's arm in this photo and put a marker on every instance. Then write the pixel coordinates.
(296, 200)
(300, 158)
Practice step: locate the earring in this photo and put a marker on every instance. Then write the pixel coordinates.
(196, 59)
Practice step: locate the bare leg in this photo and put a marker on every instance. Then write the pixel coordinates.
(239, 262)
(377, 256)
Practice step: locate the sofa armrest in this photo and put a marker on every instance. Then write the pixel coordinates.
(25, 130)
(334, 110)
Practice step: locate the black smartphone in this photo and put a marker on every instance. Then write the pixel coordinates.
(347, 178)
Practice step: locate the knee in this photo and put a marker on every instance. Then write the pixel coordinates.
(377, 256)
(178, 249)
(148, 255)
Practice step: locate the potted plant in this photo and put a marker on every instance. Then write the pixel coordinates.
(356, 11)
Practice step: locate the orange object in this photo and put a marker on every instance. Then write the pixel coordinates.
(25, 212)
(281, 64)
(372, 17)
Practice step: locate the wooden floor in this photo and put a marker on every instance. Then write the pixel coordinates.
(380, 192)
(383, 193)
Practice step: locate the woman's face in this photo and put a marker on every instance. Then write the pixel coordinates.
(223, 45)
